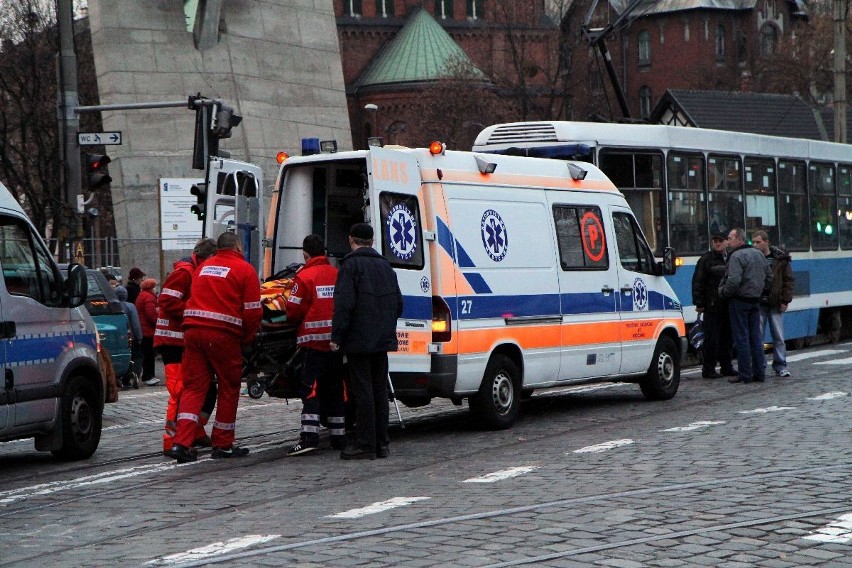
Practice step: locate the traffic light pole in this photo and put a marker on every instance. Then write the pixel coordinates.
(69, 122)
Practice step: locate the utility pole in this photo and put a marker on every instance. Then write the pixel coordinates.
(839, 8)
(69, 122)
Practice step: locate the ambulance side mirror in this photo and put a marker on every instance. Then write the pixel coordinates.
(668, 265)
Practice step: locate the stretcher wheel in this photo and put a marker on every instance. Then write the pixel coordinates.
(256, 389)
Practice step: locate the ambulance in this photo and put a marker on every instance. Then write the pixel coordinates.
(517, 273)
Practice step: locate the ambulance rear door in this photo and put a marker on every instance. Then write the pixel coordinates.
(588, 288)
(396, 213)
(641, 304)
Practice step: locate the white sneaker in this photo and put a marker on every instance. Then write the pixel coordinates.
(784, 373)
(152, 381)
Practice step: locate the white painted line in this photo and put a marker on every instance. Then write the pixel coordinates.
(846, 361)
(839, 531)
(814, 354)
(377, 507)
(501, 475)
(694, 426)
(829, 395)
(103, 478)
(604, 447)
(214, 549)
(767, 409)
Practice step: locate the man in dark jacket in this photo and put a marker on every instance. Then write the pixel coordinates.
(745, 277)
(367, 303)
(717, 324)
(778, 297)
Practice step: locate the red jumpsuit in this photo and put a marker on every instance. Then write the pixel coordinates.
(222, 315)
(311, 305)
(168, 340)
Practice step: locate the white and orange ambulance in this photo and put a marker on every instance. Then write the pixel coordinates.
(517, 273)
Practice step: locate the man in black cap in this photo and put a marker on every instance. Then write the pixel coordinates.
(705, 295)
(367, 303)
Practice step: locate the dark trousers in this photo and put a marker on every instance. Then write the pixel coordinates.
(748, 339)
(717, 341)
(321, 390)
(369, 383)
(147, 358)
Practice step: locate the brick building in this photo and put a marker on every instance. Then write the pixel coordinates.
(393, 51)
(677, 44)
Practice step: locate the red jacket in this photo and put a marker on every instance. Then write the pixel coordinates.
(172, 301)
(226, 296)
(146, 305)
(311, 303)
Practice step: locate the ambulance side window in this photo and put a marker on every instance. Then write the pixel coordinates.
(633, 250)
(27, 268)
(402, 235)
(580, 235)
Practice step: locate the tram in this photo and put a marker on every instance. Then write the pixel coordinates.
(685, 183)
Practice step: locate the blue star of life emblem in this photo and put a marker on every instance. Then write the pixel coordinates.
(400, 225)
(495, 237)
(640, 295)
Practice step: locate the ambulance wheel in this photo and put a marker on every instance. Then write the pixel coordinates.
(255, 389)
(497, 403)
(81, 413)
(663, 377)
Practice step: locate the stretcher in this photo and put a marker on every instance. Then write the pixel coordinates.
(271, 365)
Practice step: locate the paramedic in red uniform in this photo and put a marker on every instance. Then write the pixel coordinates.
(168, 340)
(221, 318)
(311, 306)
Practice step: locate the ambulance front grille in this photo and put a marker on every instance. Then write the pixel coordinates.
(526, 132)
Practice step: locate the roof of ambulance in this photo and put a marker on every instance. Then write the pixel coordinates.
(465, 161)
(8, 201)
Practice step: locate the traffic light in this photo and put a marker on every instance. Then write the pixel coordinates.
(200, 192)
(96, 171)
(225, 121)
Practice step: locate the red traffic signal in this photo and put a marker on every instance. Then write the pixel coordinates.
(96, 171)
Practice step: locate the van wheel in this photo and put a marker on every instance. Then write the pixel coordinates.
(81, 414)
(497, 403)
(663, 377)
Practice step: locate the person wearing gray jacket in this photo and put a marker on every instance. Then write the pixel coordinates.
(132, 378)
(746, 276)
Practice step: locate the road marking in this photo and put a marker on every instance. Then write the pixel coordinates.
(604, 447)
(767, 409)
(214, 549)
(377, 507)
(814, 354)
(694, 426)
(846, 361)
(501, 475)
(838, 531)
(829, 395)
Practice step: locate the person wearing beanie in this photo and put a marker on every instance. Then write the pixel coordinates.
(132, 378)
(146, 305)
(367, 303)
(133, 280)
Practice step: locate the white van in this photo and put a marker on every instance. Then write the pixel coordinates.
(53, 387)
(517, 273)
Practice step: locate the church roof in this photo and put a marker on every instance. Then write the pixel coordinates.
(420, 51)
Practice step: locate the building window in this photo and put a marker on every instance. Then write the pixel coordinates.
(645, 102)
(768, 39)
(444, 9)
(720, 42)
(644, 48)
(351, 7)
(474, 9)
(384, 8)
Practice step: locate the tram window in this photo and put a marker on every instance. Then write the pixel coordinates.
(823, 206)
(844, 208)
(793, 206)
(687, 203)
(639, 175)
(725, 201)
(760, 197)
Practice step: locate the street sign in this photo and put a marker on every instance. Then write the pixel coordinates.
(99, 138)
